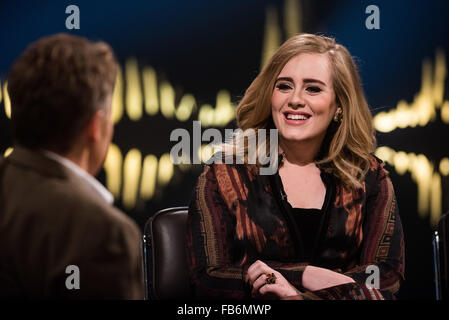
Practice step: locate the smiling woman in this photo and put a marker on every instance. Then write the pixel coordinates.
(328, 215)
(303, 107)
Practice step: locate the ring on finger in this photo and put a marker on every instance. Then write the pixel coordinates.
(270, 278)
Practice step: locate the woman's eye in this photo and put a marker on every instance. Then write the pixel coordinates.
(314, 89)
(283, 86)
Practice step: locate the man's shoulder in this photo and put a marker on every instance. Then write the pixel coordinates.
(79, 202)
(61, 201)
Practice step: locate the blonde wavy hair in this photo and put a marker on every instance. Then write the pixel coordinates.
(347, 148)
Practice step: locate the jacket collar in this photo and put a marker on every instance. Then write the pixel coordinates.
(48, 164)
(37, 161)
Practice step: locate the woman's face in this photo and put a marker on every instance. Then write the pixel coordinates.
(303, 100)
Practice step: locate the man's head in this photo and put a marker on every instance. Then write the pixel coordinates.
(61, 92)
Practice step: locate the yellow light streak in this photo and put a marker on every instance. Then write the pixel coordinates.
(7, 100)
(133, 91)
(292, 17)
(149, 79)
(436, 199)
(161, 98)
(113, 168)
(423, 108)
(117, 99)
(430, 194)
(401, 162)
(206, 115)
(131, 174)
(148, 179)
(444, 167)
(440, 76)
(224, 111)
(8, 152)
(445, 112)
(165, 169)
(186, 107)
(167, 100)
(272, 35)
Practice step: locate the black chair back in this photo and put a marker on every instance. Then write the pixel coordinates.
(165, 264)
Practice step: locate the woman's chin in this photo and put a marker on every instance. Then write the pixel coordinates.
(291, 138)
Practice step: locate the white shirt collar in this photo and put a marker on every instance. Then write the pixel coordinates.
(93, 183)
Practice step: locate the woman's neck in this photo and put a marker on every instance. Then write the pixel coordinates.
(299, 153)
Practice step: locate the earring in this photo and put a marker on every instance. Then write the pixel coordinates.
(338, 115)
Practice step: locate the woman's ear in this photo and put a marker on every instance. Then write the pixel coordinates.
(338, 114)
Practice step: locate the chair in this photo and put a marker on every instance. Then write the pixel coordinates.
(165, 265)
(441, 255)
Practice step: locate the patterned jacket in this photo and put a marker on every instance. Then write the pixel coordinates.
(237, 217)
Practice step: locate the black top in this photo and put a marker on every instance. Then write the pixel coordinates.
(308, 222)
(306, 225)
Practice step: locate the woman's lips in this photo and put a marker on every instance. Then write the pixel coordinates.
(296, 122)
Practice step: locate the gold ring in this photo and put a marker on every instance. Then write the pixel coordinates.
(271, 278)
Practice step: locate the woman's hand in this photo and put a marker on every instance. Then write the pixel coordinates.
(257, 277)
(315, 278)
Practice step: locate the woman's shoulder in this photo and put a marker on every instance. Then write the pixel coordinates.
(230, 182)
(376, 172)
(232, 172)
(377, 166)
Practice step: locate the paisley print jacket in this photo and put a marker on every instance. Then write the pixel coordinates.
(237, 217)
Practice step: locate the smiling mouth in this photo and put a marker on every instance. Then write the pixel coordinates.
(295, 116)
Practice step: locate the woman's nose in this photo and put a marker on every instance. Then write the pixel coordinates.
(296, 101)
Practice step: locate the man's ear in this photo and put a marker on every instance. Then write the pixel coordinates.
(95, 125)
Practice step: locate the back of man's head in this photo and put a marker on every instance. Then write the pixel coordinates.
(56, 86)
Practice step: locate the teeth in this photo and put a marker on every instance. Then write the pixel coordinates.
(296, 117)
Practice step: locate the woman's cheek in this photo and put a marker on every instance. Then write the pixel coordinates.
(275, 102)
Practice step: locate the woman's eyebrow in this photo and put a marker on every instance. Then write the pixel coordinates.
(284, 79)
(313, 80)
(307, 80)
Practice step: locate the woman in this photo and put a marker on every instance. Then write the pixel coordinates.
(326, 224)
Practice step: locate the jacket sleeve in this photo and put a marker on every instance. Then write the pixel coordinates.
(211, 248)
(111, 267)
(383, 245)
(117, 265)
(216, 256)
(380, 270)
